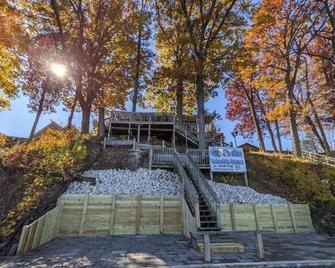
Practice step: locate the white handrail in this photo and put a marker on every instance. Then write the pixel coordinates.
(319, 158)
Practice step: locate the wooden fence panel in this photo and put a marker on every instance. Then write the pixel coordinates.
(278, 218)
(189, 221)
(40, 231)
(120, 215)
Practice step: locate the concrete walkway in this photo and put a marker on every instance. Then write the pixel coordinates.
(173, 250)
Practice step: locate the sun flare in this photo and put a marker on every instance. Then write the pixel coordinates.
(58, 69)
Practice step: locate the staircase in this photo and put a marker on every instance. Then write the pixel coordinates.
(209, 208)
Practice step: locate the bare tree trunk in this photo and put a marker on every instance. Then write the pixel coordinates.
(179, 94)
(257, 126)
(101, 122)
(38, 114)
(86, 114)
(272, 137)
(296, 146)
(201, 103)
(310, 122)
(138, 65)
(278, 137)
(73, 108)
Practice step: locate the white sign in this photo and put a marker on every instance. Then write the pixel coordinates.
(226, 159)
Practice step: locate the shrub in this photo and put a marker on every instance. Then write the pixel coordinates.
(53, 158)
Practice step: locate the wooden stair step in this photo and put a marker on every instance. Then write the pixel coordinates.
(223, 247)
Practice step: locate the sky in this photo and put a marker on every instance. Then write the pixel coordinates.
(18, 120)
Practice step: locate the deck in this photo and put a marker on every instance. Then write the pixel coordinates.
(146, 126)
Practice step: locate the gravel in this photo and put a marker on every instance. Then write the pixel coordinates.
(243, 195)
(161, 182)
(126, 182)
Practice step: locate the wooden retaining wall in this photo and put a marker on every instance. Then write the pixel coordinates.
(189, 221)
(40, 231)
(278, 218)
(88, 215)
(113, 214)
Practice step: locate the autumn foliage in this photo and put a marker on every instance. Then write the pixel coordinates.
(51, 159)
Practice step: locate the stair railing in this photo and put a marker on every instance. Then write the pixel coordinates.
(205, 188)
(188, 189)
(190, 132)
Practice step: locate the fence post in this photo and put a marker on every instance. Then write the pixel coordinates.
(207, 248)
(150, 158)
(259, 245)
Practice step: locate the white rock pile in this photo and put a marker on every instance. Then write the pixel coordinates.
(161, 182)
(243, 195)
(126, 182)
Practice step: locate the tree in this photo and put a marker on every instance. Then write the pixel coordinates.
(213, 30)
(88, 33)
(172, 87)
(138, 28)
(41, 85)
(282, 31)
(241, 106)
(13, 40)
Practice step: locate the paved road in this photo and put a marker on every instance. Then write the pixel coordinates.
(166, 250)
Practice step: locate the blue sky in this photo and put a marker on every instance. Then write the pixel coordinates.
(18, 121)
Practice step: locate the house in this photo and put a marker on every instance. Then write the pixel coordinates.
(248, 147)
(51, 125)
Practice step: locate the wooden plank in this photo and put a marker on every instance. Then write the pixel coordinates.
(292, 218)
(83, 216)
(38, 232)
(138, 215)
(111, 227)
(256, 216)
(274, 219)
(23, 240)
(232, 215)
(161, 215)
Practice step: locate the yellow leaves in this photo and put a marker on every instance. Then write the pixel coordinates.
(52, 158)
(280, 112)
(3, 140)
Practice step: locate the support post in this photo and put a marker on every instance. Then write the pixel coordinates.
(211, 175)
(207, 248)
(149, 130)
(150, 159)
(138, 133)
(186, 139)
(174, 135)
(109, 130)
(246, 179)
(259, 245)
(129, 131)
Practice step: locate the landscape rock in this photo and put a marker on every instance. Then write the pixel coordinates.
(243, 195)
(126, 182)
(160, 182)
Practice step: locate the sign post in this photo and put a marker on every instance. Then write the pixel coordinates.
(227, 160)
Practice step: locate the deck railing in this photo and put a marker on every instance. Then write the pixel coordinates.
(142, 117)
(162, 156)
(204, 187)
(319, 158)
(200, 157)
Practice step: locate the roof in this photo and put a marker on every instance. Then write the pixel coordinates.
(248, 144)
(52, 125)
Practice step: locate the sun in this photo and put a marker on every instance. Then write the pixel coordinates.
(58, 69)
